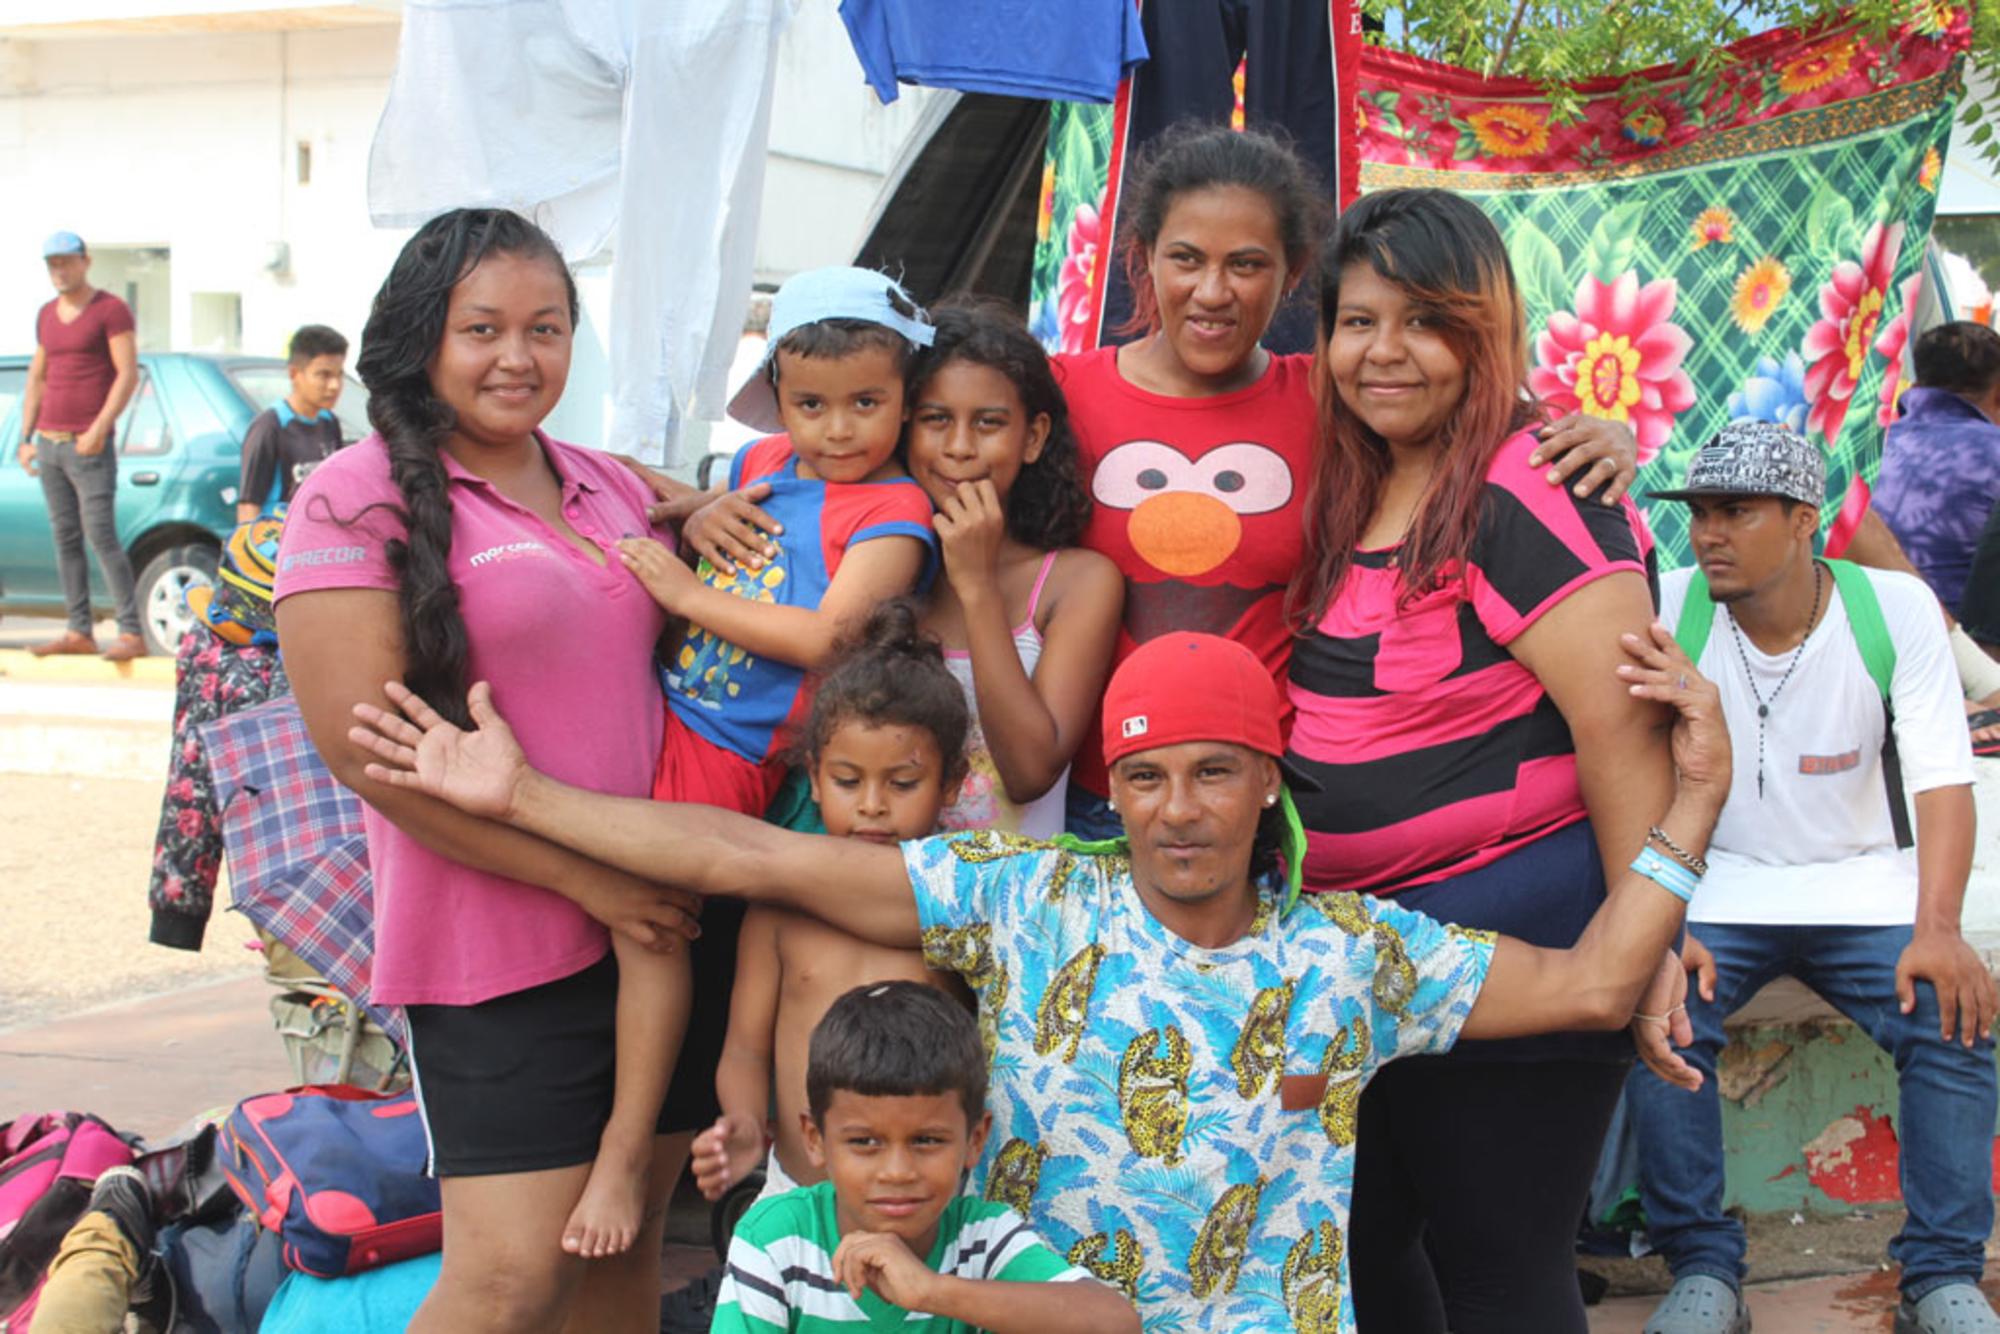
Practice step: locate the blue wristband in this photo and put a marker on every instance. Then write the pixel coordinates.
(1671, 876)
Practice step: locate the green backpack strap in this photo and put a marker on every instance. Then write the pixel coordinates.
(1697, 618)
(1864, 615)
(1878, 655)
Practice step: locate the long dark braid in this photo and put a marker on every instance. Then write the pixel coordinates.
(404, 329)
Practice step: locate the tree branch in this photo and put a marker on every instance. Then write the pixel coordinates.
(1498, 64)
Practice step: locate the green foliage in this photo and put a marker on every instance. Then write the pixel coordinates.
(1555, 42)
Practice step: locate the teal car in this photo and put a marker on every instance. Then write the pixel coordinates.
(180, 454)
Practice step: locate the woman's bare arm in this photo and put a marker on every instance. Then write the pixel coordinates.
(339, 646)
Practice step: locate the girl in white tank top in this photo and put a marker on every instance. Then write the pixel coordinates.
(1027, 618)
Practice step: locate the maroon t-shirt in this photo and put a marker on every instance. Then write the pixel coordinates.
(79, 361)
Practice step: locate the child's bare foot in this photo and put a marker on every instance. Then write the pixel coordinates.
(606, 1219)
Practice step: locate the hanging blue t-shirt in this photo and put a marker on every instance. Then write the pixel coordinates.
(1072, 50)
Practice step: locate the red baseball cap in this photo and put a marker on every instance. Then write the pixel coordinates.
(1191, 687)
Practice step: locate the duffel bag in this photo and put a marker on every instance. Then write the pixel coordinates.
(338, 1173)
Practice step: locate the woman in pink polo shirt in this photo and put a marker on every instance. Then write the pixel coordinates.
(460, 544)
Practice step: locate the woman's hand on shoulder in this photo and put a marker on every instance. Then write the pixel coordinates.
(1605, 453)
(730, 530)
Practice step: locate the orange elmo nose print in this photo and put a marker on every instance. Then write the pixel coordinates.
(1183, 533)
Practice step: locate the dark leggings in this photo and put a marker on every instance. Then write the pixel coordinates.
(1469, 1179)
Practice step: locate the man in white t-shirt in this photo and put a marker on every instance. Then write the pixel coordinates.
(1806, 877)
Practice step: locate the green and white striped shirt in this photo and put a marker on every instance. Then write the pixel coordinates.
(781, 1267)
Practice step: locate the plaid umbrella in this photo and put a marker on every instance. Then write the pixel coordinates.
(298, 858)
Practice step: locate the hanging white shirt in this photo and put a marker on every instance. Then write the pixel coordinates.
(1818, 846)
(638, 124)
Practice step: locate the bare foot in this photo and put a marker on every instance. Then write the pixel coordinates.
(606, 1219)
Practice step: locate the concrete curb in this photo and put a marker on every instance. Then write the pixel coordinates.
(20, 665)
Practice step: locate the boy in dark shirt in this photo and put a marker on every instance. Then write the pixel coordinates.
(289, 439)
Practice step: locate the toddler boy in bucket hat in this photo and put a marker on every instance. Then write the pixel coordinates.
(852, 531)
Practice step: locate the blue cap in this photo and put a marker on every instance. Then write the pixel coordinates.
(62, 243)
(838, 293)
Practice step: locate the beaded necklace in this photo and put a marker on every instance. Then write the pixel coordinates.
(1764, 705)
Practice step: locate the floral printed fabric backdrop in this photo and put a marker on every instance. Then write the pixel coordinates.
(1746, 244)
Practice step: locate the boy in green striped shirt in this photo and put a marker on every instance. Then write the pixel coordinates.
(896, 1097)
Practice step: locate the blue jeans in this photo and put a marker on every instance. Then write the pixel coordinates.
(81, 492)
(1944, 1120)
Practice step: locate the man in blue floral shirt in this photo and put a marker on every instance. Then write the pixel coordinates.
(1941, 464)
(1178, 1040)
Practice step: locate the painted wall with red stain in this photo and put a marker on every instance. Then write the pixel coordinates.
(1819, 1133)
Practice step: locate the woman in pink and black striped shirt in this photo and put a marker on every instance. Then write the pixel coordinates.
(1476, 753)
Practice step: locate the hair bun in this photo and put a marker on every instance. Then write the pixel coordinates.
(892, 627)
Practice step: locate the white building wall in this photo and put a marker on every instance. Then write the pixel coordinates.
(190, 143)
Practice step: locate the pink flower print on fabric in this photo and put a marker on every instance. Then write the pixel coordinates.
(1076, 284)
(1618, 356)
(1836, 348)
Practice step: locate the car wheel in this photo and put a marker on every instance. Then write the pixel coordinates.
(163, 590)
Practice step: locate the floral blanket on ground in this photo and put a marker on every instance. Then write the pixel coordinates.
(1692, 247)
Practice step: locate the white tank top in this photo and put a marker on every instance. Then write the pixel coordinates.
(982, 803)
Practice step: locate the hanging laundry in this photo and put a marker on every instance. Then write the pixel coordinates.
(625, 125)
(1068, 50)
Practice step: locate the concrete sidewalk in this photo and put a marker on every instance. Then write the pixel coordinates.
(1862, 1303)
(147, 1066)
(19, 633)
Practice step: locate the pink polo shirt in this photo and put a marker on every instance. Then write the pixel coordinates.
(568, 647)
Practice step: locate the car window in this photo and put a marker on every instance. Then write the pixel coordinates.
(265, 385)
(13, 381)
(143, 431)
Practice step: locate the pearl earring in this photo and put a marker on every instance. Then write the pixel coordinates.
(1271, 799)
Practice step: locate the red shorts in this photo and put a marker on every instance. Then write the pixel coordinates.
(693, 768)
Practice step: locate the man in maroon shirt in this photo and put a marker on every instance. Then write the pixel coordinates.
(85, 369)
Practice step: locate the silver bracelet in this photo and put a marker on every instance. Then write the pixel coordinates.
(1699, 865)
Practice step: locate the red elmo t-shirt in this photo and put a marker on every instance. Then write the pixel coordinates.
(1199, 502)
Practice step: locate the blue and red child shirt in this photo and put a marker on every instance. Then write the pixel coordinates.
(738, 703)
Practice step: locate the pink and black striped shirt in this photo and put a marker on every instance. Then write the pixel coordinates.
(1435, 751)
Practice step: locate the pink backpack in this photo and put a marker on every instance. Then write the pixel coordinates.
(48, 1165)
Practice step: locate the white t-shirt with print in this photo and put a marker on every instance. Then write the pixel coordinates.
(1818, 846)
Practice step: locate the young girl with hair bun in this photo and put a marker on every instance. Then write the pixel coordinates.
(460, 544)
(884, 750)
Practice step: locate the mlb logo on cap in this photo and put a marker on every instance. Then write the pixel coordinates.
(1135, 725)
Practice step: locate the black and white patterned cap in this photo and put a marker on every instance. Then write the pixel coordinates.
(1754, 458)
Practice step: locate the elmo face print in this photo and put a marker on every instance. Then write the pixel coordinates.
(1209, 537)
(1187, 515)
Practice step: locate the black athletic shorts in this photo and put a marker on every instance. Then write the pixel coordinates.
(523, 1082)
